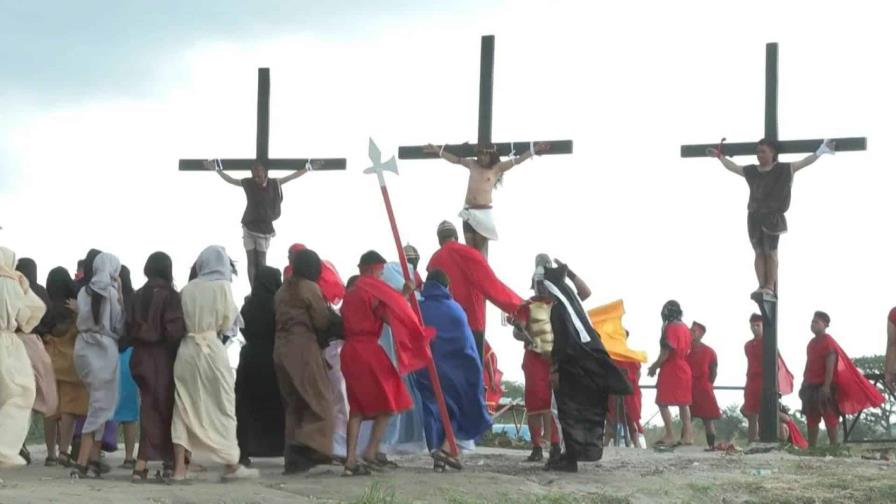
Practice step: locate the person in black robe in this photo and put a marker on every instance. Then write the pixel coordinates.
(28, 268)
(260, 424)
(582, 372)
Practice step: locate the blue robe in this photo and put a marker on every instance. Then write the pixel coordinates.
(460, 372)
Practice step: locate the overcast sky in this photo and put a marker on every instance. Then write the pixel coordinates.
(99, 100)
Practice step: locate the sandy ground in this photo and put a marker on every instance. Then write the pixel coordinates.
(495, 475)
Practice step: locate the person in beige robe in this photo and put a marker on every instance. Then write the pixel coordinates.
(17, 386)
(301, 312)
(204, 419)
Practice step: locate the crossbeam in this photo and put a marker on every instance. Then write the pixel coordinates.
(484, 137)
(262, 140)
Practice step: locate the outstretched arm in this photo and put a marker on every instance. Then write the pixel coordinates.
(298, 173)
(540, 148)
(827, 147)
(447, 156)
(582, 289)
(726, 162)
(216, 166)
(664, 355)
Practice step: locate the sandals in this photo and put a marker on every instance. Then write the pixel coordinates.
(84, 472)
(380, 463)
(65, 460)
(537, 455)
(99, 466)
(356, 470)
(139, 476)
(51, 461)
(447, 459)
(438, 465)
(166, 475)
(128, 464)
(25, 454)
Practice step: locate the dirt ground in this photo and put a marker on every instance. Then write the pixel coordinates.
(500, 476)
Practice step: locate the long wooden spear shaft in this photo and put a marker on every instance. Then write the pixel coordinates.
(379, 167)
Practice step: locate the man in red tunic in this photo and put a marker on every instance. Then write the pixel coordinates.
(472, 281)
(890, 365)
(753, 387)
(374, 387)
(673, 387)
(704, 364)
(832, 386)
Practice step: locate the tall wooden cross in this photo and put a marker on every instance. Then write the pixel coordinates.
(768, 305)
(262, 141)
(486, 81)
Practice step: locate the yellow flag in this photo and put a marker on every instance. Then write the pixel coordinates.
(607, 321)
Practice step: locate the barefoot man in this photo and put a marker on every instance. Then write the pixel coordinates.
(770, 183)
(263, 198)
(486, 172)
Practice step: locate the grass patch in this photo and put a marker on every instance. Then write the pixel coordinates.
(838, 451)
(377, 493)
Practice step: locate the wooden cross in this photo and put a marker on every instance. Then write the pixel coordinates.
(486, 81)
(262, 140)
(768, 304)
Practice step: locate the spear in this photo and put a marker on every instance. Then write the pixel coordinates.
(379, 167)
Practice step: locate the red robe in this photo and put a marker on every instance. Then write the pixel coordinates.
(796, 437)
(852, 391)
(632, 402)
(472, 281)
(892, 316)
(673, 386)
(491, 377)
(372, 383)
(704, 404)
(753, 387)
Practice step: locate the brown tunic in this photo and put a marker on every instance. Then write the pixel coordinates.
(156, 334)
(61, 347)
(300, 366)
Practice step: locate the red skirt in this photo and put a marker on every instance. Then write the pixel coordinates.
(372, 383)
(673, 386)
(632, 405)
(752, 394)
(704, 405)
(537, 372)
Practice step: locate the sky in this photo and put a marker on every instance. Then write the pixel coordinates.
(100, 100)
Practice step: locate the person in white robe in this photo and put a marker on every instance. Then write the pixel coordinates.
(17, 386)
(205, 402)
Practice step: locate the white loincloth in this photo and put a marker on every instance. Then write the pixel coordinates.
(481, 220)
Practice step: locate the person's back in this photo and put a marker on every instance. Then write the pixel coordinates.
(207, 306)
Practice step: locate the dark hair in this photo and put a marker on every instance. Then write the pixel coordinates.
(370, 258)
(352, 280)
(194, 272)
(700, 326)
(771, 144)
(493, 157)
(671, 311)
(127, 287)
(88, 264)
(158, 266)
(28, 268)
(824, 317)
(259, 163)
(305, 264)
(438, 276)
(756, 318)
(60, 286)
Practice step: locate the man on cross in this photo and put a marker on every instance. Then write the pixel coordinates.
(770, 183)
(263, 198)
(486, 172)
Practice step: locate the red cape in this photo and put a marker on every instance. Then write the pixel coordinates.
(854, 392)
(472, 281)
(331, 285)
(411, 338)
(491, 376)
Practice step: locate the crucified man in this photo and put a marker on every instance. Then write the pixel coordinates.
(486, 172)
(770, 183)
(263, 198)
